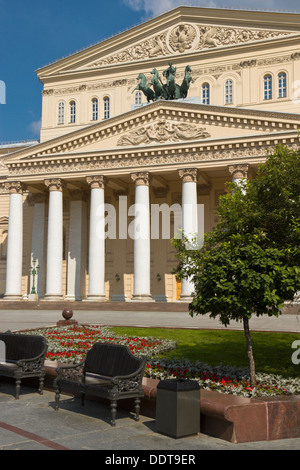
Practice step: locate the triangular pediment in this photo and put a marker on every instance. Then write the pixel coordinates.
(183, 31)
(163, 124)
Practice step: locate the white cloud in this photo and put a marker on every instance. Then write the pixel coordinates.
(156, 7)
(35, 127)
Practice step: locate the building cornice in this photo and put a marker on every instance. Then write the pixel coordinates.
(267, 121)
(199, 154)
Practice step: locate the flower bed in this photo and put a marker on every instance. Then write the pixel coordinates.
(70, 344)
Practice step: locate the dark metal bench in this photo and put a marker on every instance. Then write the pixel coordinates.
(24, 357)
(108, 371)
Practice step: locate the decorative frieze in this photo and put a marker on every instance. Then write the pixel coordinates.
(185, 38)
(145, 159)
(164, 131)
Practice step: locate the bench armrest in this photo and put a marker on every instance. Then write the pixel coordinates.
(130, 382)
(32, 364)
(70, 371)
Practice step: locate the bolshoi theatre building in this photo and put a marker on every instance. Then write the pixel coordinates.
(158, 117)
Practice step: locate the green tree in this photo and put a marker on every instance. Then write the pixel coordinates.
(249, 264)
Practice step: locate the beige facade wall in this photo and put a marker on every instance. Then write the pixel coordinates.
(160, 138)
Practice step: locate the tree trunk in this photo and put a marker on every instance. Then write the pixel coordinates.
(250, 352)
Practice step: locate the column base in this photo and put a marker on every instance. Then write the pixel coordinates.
(72, 298)
(185, 298)
(142, 298)
(12, 297)
(160, 298)
(53, 298)
(119, 298)
(95, 298)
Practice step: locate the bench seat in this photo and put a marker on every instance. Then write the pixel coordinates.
(24, 357)
(108, 371)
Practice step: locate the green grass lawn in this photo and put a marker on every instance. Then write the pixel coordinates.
(272, 351)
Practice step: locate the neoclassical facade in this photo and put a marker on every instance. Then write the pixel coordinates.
(87, 213)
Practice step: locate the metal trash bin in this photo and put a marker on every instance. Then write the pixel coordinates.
(178, 407)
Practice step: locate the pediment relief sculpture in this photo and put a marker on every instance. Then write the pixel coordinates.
(164, 131)
(187, 38)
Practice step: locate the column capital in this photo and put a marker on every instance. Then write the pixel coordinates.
(141, 178)
(54, 184)
(96, 182)
(189, 175)
(15, 187)
(239, 171)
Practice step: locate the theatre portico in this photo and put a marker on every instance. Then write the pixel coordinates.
(96, 202)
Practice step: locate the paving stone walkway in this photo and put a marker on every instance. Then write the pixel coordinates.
(31, 423)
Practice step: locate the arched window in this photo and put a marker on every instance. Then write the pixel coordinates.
(268, 87)
(229, 92)
(94, 109)
(205, 93)
(138, 98)
(61, 113)
(282, 87)
(106, 105)
(72, 111)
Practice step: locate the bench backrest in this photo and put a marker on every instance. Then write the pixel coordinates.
(111, 360)
(18, 346)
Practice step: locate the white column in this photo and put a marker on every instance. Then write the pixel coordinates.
(96, 291)
(77, 247)
(14, 258)
(55, 240)
(189, 178)
(38, 240)
(141, 289)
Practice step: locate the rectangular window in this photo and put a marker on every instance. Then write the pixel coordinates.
(267, 87)
(282, 90)
(95, 110)
(205, 94)
(229, 92)
(73, 112)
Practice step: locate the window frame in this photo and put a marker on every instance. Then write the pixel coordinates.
(268, 86)
(106, 107)
(138, 98)
(61, 113)
(95, 109)
(282, 88)
(229, 95)
(205, 93)
(72, 109)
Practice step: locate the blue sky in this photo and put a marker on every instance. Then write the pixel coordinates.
(36, 32)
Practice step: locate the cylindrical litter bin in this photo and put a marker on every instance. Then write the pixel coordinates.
(178, 407)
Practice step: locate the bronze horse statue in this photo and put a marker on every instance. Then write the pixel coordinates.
(144, 88)
(171, 90)
(168, 91)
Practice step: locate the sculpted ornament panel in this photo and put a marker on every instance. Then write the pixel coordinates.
(164, 131)
(187, 38)
(182, 38)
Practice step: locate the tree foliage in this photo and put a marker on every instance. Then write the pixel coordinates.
(249, 263)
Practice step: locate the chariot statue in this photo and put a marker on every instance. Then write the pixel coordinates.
(167, 91)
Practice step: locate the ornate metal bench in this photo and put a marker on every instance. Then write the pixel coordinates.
(108, 371)
(24, 357)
